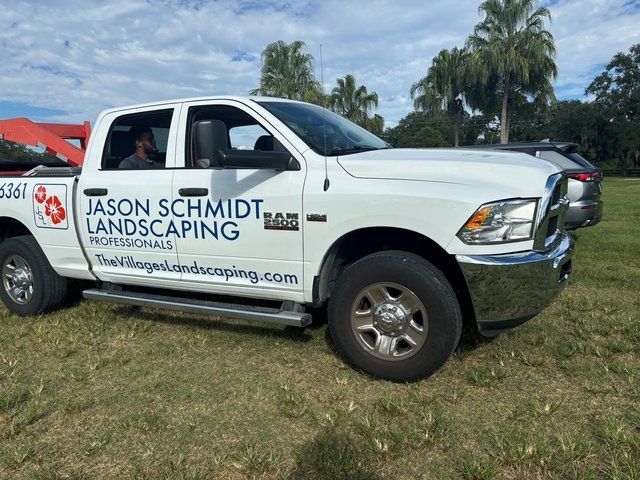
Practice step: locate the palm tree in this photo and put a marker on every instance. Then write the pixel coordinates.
(512, 52)
(287, 72)
(443, 88)
(354, 102)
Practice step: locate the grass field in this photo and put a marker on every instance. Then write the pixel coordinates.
(106, 391)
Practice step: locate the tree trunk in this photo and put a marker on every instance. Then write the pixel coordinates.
(504, 120)
(622, 164)
(455, 134)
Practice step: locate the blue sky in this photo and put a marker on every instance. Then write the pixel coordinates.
(66, 60)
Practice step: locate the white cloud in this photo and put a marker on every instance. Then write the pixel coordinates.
(588, 33)
(83, 56)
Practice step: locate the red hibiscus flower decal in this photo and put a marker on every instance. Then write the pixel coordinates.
(53, 208)
(41, 194)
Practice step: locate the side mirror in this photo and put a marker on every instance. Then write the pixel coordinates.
(211, 149)
(209, 137)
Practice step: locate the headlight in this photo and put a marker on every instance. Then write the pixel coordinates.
(505, 221)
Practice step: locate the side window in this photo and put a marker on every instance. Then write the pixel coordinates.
(138, 141)
(234, 130)
(246, 137)
(558, 159)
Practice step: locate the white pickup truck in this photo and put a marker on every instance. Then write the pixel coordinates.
(259, 208)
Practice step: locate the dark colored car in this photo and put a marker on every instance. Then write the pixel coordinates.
(585, 180)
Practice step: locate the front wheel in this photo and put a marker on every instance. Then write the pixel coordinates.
(395, 316)
(30, 286)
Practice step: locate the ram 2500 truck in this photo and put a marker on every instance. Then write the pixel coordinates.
(260, 208)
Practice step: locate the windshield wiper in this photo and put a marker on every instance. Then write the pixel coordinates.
(355, 149)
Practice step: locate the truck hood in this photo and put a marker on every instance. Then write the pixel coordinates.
(513, 173)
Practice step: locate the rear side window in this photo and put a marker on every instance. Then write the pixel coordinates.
(580, 160)
(122, 135)
(559, 159)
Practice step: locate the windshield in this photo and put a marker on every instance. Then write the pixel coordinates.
(313, 123)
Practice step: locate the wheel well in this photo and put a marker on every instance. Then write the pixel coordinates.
(10, 227)
(360, 243)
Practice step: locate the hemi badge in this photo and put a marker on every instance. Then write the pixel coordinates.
(316, 217)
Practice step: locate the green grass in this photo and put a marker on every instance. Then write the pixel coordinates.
(106, 391)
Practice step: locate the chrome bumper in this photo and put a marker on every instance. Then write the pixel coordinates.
(507, 290)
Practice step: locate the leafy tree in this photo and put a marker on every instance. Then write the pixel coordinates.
(528, 119)
(580, 122)
(355, 102)
(421, 130)
(511, 52)
(443, 88)
(376, 124)
(574, 121)
(618, 86)
(14, 151)
(287, 72)
(617, 93)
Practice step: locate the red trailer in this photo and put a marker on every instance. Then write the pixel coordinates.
(52, 137)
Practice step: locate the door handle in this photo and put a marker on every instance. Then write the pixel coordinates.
(95, 192)
(193, 192)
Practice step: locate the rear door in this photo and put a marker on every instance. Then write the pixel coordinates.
(126, 224)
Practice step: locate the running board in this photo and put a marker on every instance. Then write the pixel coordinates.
(280, 316)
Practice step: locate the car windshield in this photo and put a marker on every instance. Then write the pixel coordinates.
(324, 131)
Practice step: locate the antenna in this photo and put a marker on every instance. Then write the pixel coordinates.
(324, 124)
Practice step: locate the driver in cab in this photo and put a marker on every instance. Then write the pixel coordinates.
(144, 144)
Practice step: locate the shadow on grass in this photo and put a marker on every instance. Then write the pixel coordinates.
(319, 316)
(333, 455)
(75, 289)
(209, 323)
(471, 339)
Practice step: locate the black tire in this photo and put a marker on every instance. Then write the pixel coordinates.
(49, 288)
(427, 283)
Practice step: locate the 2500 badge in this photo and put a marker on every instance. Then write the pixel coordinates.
(281, 221)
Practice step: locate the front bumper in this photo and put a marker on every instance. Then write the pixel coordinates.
(507, 290)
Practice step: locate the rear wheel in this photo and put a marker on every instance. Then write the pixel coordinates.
(395, 316)
(30, 286)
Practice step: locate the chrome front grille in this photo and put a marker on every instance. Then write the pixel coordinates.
(551, 212)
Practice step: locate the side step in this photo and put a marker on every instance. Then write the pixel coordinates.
(282, 316)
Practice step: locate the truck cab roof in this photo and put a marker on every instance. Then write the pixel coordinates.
(239, 98)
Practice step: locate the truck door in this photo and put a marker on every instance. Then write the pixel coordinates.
(126, 224)
(240, 229)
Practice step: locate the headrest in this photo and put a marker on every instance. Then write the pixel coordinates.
(264, 143)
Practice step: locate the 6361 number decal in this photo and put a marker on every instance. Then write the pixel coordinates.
(16, 191)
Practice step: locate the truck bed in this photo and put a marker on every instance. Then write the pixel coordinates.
(10, 168)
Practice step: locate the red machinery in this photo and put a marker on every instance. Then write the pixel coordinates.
(50, 136)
